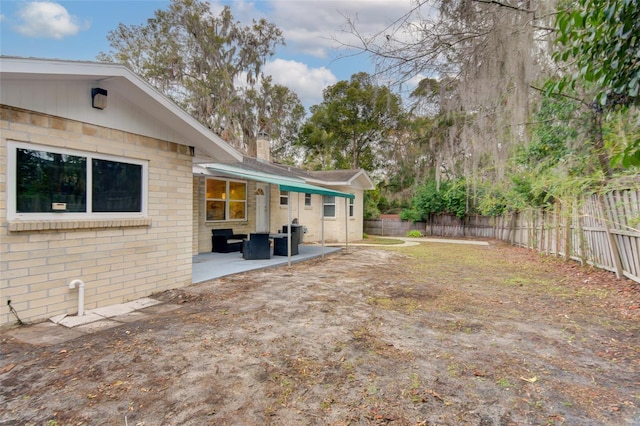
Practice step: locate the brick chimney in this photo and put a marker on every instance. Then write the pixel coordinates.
(263, 146)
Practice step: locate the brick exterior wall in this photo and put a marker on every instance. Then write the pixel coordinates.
(118, 260)
(311, 216)
(203, 228)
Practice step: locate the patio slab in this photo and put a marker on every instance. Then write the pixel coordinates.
(44, 334)
(209, 266)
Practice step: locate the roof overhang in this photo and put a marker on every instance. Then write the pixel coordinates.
(284, 183)
(119, 79)
(359, 180)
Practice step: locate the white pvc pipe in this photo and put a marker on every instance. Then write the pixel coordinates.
(346, 225)
(289, 231)
(80, 285)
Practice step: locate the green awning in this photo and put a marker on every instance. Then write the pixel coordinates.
(284, 183)
(312, 189)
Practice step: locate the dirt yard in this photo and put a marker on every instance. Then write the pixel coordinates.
(437, 334)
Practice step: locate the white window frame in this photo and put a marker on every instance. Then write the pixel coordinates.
(284, 195)
(352, 205)
(307, 200)
(12, 214)
(226, 200)
(325, 204)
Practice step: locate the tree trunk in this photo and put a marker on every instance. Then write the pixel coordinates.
(598, 141)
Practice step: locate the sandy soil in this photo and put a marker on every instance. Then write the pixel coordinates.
(437, 334)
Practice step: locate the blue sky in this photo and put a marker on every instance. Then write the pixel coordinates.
(77, 30)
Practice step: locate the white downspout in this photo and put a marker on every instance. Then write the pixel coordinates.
(80, 285)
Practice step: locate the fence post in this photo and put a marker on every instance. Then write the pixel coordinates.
(494, 223)
(580, 212)
(613, 244)
(568, 215)
(556, 226)
(512, 229)
(547, 232)
(531, 230)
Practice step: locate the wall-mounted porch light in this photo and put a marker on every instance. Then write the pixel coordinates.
(98, 98)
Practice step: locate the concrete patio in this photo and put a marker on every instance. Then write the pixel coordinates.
(209, 266)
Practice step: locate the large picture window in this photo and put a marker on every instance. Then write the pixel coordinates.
(225, 200)
(117, 186)
(51, 181)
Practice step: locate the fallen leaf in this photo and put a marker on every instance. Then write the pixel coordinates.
(531, 380)
(7, 368)
(434, 394)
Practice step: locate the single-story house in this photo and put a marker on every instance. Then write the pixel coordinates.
(278, 194)
(105, 180)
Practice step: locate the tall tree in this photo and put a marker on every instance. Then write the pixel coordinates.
(210, 65)
(601, 38)
(281, 117)
(485, 54)
(599, 43)
(354, 126)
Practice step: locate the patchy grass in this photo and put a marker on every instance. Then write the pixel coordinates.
(372, 239)
(442, 334)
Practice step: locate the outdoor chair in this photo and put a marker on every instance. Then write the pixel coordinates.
(257, 246)
(280, 246)
(225, 241)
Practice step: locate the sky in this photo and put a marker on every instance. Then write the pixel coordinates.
(310, 61)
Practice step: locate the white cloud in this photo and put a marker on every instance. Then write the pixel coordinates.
(314, 33)
(46, 20)
(417, 79)
(307, 82)
(318, 28)
(312, 27)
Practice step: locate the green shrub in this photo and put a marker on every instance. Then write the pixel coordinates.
(414, 233)
(371, 210)
(448, 197)
(412, 215)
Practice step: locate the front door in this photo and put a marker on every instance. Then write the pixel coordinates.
(262, 207)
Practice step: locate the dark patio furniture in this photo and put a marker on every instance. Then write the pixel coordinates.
(280, 246)
(297, 232)
(257, 246)
(225, 241)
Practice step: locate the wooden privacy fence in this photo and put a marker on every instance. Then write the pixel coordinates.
(600, 230)
(443, 225)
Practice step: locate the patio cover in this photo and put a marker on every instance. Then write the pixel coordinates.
(284, 184)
